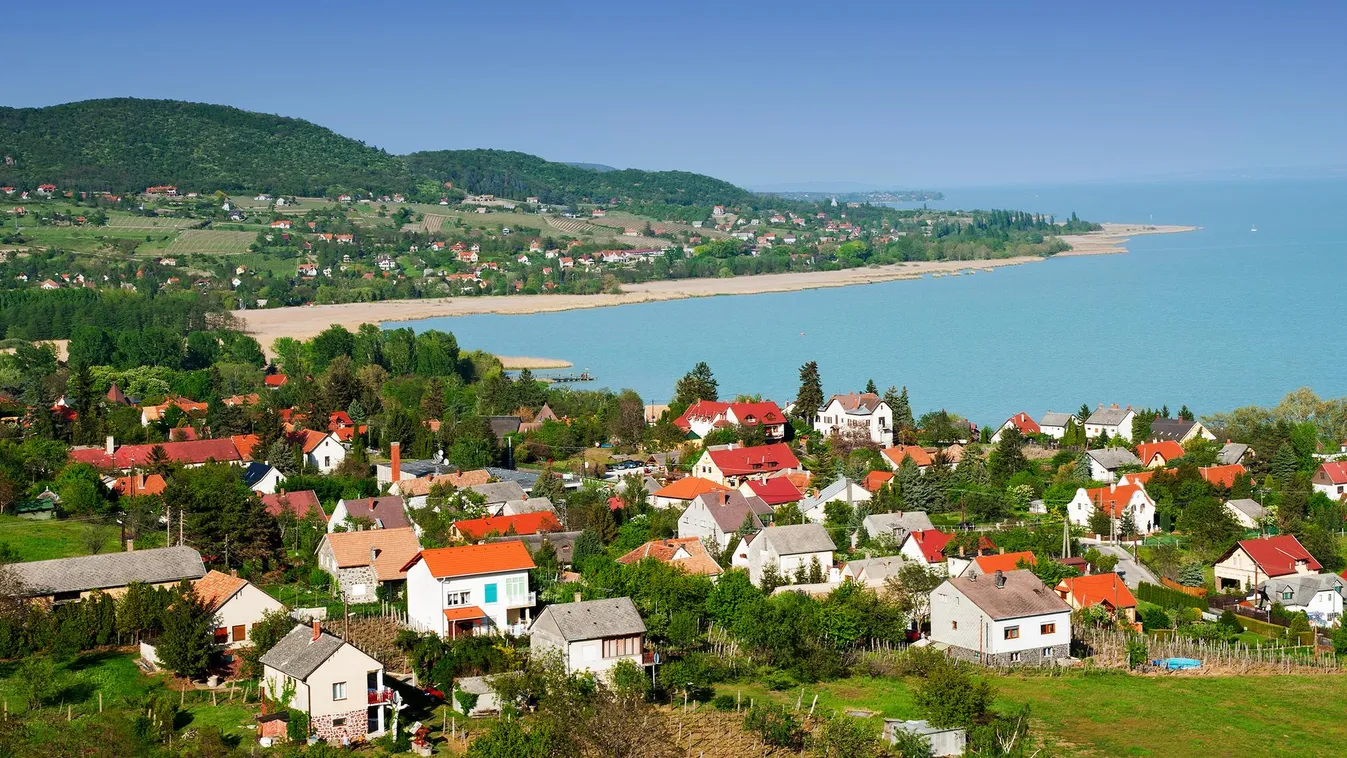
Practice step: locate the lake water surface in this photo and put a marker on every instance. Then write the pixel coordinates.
(1216, 318)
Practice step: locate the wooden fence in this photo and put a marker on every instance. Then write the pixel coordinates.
(1173, 585)
(1108, 649)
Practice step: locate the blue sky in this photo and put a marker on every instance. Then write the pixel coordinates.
(763, 94)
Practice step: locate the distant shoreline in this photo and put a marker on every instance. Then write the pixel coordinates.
(306, 321)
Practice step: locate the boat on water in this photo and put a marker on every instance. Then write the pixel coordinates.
(1253, 228)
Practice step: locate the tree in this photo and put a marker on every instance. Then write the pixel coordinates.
(186, 645)
(697, 384)
(845, 737)
(902, 413)
(871, 388)
(911, 590)
(1284, 465)
(810, 397)
(951, 697)
(1100, 522)
(1192, 575)
(1008, 458)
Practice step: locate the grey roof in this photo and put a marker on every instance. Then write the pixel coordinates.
(730, 508)
(1113, 457)
(474, 685)
(424, 467)
(525, 479)
(298, 654)
(1108, 416)
(826, 494)
(798, 538)
(595, 619)
(255, 472)
(1174, 429)
(1023, 595)
(1231, 453)
(531, 505)
(1248, 507)
(922, 727)
(897, 524)
(503, 425)
(385, 511)
(562, 542)
(499, 492)
(1303, 586)
(876, 569)
(95, 572)
(1052, 418)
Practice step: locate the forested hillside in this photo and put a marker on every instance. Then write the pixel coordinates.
(128, 144)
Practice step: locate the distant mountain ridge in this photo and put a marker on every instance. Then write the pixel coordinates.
(127, 144)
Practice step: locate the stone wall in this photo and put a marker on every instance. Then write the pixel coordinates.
(347, 578)
(357, 722)
(1031, 657)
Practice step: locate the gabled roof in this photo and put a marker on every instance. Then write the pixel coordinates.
(689, 487)
(1114, 499)
(386, 550)
(1168, 450)
(1055, 419)
(186, 452)
(1098, 589)
(247, 444)
(990, 564)
(255, 472)
(524, 523)
(1113, 457)
(899, 524)
(856, 403)
(94, 572)
(876, 479)
(594, 619)
(775, 491)
(1023, 595)
(898, 453)
(1276, 556)
(931, 543)
(759, 459)
(730, 509)
(798, 538)
(876, 570)
(1303, 587)
(702, 410)
(470, 560)
(1024, 422)
(216, 588)
(752, 414)
(310, 439)
(499, 492)
(1108, 416)
(1222, 476)
(386, 512)
(298, 654)
(1171, 428)
(1336, 471)
(1231, 452)
(688, 553)
(301, 503)
(1247, 506)
(140, 484)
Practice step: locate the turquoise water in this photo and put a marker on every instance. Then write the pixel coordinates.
(1214, 319)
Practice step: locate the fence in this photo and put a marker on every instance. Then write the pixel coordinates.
(1108, 649)
(1168, 598)
(1173, 585)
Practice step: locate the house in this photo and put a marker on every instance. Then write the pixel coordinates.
(527, 505)
(875, 480)
(484, 700)
(1113, 421)
(497, 494)
(275, 381)
(1054, 424)
(281, 224)
(1249, 562)
(864, 414)
(262, 478)
(734, 465)
(1159, 454)
(926, 546)
(944, 742)
(894, 456)
(983, 565)
(237, 604)
(718, 515)
(704, 416)
(1022, 421)
(387, 512)
(687, 553)
(361, 561)
(1178, 430)
(841, 491)
(1107, 590)
(302, 504)
(139, 483)
(62, 580)
(152, 413)
(790, 549)
(475, 530)
(1222, 476)
(472, 589)
(895, 526)
(563, 543)
(1232, 453)
(322, 450)
(1319, 596)
(873, 572)
(1104, 463)
(681, 493)
(189, 453)
(1009, 617)
(1118, 500)
(1331, 479)
(774, 491)
(590, 636)
(340, 688)
(1249, 513)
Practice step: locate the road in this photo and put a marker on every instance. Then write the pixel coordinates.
(1133, 572)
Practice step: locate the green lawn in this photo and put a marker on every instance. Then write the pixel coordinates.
(41, 540)
(1124, 715)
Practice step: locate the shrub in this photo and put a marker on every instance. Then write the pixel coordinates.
(777, 680)
(1155, 618)
(1166, 597)
(775, 725)
(1137, 651)
(723, 702)
(950, 696)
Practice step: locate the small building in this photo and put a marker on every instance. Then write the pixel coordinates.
(983, 565)
(843, 490)
(944, 742)
(1247, 511)
(497, 494)
(894, 456)
(896, 526)
(322, 450)
(1007, 618)
(1105, 590)
(301, 504)
(872, 572)
(472, 589)
(1159, 454)
(1104, 463)
(485, 703)
(1319, 596)
(237, 604)
(1331, 479)
(718, 515)
(864, 414)
(1232, 453)
(340, 688)
(687, 553)
(387, 512)
(732, 466)
(62, 580)
(1021, 421)
(361, 561)
(1118, 500)
(774, 491)
(1249, 563)
(262, 478)
(927, 547)
(1113, 421)
(681, 493)
(1179, 430)
(790, 549)
(1054, 424)
(478, 529)
(592, 635)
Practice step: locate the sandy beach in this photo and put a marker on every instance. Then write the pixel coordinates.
(305, 321)
(528, 362)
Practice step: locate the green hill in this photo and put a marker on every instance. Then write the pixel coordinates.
(129, 144)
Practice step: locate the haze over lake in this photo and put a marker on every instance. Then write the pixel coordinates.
(1217, 318)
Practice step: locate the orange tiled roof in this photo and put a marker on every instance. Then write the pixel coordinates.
(990, 564)
(246, 444)
(396, 548)
(215, 588)
(688, 488)
(1222, 476)
(1107, 589)
(470, 560)
(876, 479)
(696, 560)
(523, 523)
(1168, 450)
(140, 484)
(898, 453)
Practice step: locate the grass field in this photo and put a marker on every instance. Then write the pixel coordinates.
(210, 241)
(41, 540)
(1124, 715)
(151, 223)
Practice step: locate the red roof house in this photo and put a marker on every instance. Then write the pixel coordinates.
(524, 523)
(1251, 562)
(1222, 476)
(1156, 454)
(745, 462)
(774, 491)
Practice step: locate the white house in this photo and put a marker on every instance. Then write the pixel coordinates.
(790, 548)
(1054, 424)
(1318, 595)
(732, 466)
(263, 478)
(896, 526)
(361, 561)
(1249, 563)
(1117, 500)
(1247, 511)
(237, 604)
(339, 687)
(387, 512)
(872, 572)
(1022, 421)
(1178, 430)
(1114, 421)
(843, 490)
(590, 636)
(1001, 619)
(472, 589)
(705, 416)
(322, 451)
(863, 413)
(718, 515)
(1104, 463)
(1331, 479)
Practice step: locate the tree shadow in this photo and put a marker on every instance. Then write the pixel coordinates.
(76, 692)
(90, 660)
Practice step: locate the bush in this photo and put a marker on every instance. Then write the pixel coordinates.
(723, 702)
(950, 696)
(1166, 597)
(778, 680)
(694, 674)
(1137, 651)
(1155, 618)
(775, 725)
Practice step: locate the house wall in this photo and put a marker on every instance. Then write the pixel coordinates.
(339, 517)
(245, 609)
(424, 603)
(977, 637)
(1241, 517)
(1239, 571)
(269, 483)
(698, 522)
(1055, 432)
(327, 456)
(346, 665)
(707, 469)
(1322, 482)
(1082, 507)
(273, 684)
(427, 598)
(910, 551)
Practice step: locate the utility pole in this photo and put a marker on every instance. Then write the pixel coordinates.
(168, 526)
(180, 519)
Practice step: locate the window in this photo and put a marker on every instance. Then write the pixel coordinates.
(1047, 652)
(239, 632)
(1012, 632)
(221, 636)
(453, 599)
(490, 593)
(339, 722)
(517, 588)
(1047, 629)
(327, 461)
(1014, 657)
(615, 647)
(1287, 594)
(339, 690)
(953, 625)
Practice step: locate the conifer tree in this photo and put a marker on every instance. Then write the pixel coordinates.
(810, 397)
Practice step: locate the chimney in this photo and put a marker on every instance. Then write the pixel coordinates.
(395, 450)
(1000, 579)
(111, 445)
(317, 630)
(1114, 407)
(577, 597)
(130, 545)
(373, 553)
(1113, 486)
(234, 573)
(1002, 551)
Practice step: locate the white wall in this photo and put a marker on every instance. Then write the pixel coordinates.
(245, 608)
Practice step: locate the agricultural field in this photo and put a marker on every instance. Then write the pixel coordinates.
(90, 239)
(210, 241)
(151, 222)
(1116, 714)
(43, 540)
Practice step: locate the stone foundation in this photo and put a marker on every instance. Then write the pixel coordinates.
(1031, 657)
(354, 729)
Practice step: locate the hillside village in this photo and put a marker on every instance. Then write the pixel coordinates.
(377, 511)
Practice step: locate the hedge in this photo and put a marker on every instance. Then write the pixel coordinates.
(1167, 598)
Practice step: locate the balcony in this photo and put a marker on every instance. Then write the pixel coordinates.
(377, 697)
(522, 601)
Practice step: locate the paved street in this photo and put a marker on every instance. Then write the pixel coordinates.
(1133, 572)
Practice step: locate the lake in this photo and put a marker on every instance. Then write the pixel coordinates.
(1214, 319)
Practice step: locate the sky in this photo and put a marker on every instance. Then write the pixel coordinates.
(883, 94)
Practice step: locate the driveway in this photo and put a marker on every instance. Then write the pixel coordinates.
(1133, 572)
